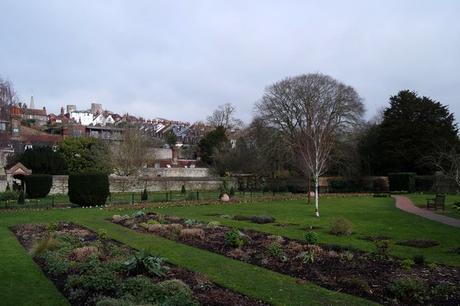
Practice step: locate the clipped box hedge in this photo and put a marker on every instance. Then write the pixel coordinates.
(88, 189)
(402, 181)
(38, 185)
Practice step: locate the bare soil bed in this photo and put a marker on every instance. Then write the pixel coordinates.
(375, 276)
(90, 269)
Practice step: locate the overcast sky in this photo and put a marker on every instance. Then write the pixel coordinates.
(181, 59)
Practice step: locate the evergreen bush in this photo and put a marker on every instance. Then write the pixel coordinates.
(402, 181)
(88, 189)
(38, 185)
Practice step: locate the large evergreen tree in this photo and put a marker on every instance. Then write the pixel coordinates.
(413, 128)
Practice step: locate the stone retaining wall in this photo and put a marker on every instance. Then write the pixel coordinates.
(138, 183)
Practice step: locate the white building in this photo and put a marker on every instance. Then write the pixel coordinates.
(103, 120)
(82, 117)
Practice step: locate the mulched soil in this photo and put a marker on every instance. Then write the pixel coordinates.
(421, 244)
(204, 291)
(357, 273)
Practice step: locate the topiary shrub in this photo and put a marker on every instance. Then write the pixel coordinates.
(88, 189)
(311, 237)
(21, 198)
(8, 195)
(38, 185)
(183, 191)
(232, 192)
(144, 195)
(341, 227)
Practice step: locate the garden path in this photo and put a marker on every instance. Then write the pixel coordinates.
(405, 204)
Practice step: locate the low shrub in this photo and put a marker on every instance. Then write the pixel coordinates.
(213, 224)
(234, 238)
(232, 192)
(192, 233)
(382, 247)
(144, 195)
(262, 219)
(21, 198)
(419, 259)
(38, 185)
(407, 264)
(311, 237)
(402, 181)
(408, 290)
(306, 257)
(88, 189)
(341, 227)
(143, 262)
(275, 250)
(138, 214)
(45, 244)
(9, 195)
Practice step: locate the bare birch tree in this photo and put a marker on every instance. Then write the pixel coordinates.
(224, 116)
(448, 162)
(311, 111)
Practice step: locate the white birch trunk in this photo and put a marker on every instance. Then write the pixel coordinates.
(316, 195)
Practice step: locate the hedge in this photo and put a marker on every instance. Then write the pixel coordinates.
(424, 183)
(38, 185)
(88, 189)
(402, 181)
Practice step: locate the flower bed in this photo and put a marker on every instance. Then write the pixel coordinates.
(375, 276)
(90, 269)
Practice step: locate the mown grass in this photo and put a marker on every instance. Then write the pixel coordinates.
(420, 201)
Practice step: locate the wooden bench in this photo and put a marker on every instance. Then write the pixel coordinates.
(438, 201)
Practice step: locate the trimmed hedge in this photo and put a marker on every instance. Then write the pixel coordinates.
(88, 189)
(38, 185)
(424, 183)
(402, 181)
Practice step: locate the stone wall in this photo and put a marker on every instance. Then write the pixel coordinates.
(177, 172)
(138, 183)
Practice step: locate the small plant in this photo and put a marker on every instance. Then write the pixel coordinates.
(191, 222)
(213, 224)
(306, 257)
(21, 198)
(52, 227)
(144, 195)
(102, 233)
(183, 190)
(456, 206)
(234, 238)
(348, 255)
(432, 265)
(142, 262)
(408, 290)
(138, 214)
(407, 264)
(275, 250)
(226, 216)
(382, 247)
(311, 237)
(192, 233)
(46, 244)
(419, 259)
(232, 192)
(341, 227)
(151, 221)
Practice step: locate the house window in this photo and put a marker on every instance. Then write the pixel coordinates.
(28, 146)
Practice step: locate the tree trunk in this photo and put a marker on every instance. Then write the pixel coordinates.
(316, 196)
(309, 190)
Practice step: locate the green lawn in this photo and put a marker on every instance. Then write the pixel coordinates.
(22, 283)
(420, 201)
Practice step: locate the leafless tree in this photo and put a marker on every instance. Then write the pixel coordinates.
(224, 116)
(131, 154)
(448, 162)
(8, 97)
(311, 110)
